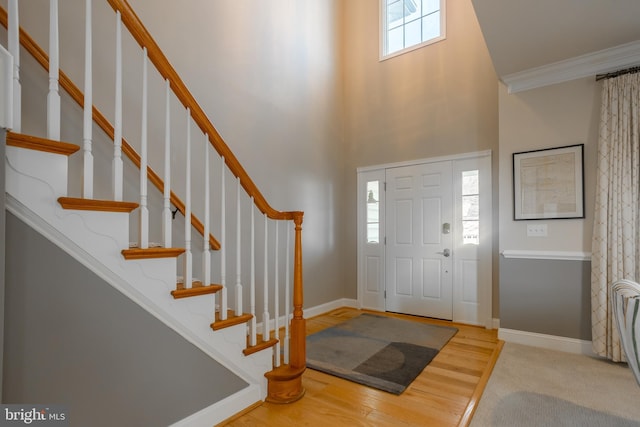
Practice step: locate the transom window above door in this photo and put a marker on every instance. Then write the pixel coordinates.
(406, 25)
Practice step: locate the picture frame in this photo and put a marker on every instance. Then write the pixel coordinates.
(549, 183)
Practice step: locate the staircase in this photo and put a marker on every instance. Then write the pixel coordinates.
(219, 318)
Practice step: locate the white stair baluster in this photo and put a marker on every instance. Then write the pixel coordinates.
(238, 252)
(252, 290)
(265, 314)
(206, 249)
(166, 194)
(117, 168)
(223, 258)
(53, 97)
(13, 41)
(188, 260)
(87, 180)
(287, 299)
(144, 211)
(276, 305)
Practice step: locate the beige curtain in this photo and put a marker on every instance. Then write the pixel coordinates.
(616, 243)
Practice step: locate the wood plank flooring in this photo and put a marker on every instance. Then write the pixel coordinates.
(444, 394)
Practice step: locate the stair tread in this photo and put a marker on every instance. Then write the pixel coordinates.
(196, 289)
(40, 144)
(137, 253)
(285, 372)
(260, 345)
(231, 320)
(96, 205)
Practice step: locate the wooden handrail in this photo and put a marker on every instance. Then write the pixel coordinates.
(166, 70)
(76, 94)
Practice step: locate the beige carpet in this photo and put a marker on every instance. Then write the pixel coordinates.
(537, 387)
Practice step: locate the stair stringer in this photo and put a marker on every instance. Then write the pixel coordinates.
(35, 180)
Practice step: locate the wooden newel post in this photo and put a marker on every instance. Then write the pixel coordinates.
(298, 327)
(285, 382)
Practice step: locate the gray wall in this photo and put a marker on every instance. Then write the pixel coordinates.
(550, 297)
(74, 340)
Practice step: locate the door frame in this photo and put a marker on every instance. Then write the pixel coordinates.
(371, 258)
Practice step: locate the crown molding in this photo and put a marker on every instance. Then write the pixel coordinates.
(590, 64)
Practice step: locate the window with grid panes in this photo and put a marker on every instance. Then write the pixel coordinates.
(410, 24)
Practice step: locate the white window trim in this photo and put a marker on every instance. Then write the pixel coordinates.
(382, 28)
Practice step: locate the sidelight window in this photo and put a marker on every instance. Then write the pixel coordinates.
(373, 212)
(470, 208)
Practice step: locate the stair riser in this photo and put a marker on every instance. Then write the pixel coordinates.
(50, 169)
(111, 224)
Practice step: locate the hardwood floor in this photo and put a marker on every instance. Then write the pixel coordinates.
(444, 394)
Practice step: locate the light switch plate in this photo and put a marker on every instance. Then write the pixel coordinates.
(536, 230)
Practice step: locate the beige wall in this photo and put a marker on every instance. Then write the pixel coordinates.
(299, 94)
(553, 116)
(268, 76)
(438, 100)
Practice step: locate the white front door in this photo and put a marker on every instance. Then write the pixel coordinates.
(419, 262)
(409, 215)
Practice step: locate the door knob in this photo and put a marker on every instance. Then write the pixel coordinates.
(446, 252)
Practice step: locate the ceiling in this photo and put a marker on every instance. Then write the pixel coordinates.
(525, 34)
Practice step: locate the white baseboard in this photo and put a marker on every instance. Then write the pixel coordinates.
(495, 323)
(353, 303)
(222, 410)
(312, 312)
(551, 342)
(325, 308)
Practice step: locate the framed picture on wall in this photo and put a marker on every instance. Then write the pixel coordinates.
(549, 183)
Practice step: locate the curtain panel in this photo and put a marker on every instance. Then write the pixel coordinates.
(616, 240)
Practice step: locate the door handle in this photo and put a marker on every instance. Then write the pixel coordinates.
(446, 253)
